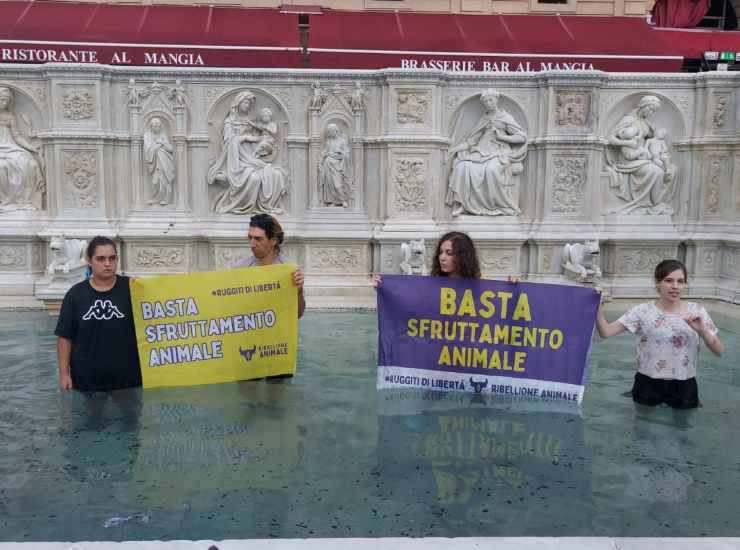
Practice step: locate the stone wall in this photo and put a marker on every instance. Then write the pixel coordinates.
(556, 153)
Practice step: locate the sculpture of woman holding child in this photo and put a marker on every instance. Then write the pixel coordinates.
(248, 148)
(21, 176)
(484, 164)
(638, 162)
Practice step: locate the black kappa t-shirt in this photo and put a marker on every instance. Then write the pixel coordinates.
(101, 327)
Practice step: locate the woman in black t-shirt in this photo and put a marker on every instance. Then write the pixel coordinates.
(96, 347)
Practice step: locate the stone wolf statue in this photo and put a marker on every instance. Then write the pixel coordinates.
(412, 257)
(581, 261)
(66, 254)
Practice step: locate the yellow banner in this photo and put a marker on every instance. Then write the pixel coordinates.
(214, 327)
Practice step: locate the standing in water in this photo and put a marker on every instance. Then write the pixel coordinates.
(265, 237)
(670, 333)
(96, 345)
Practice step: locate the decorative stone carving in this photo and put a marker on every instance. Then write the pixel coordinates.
(12, 257)
(572, 108)
(496, 260)
(356, 99)
(638, 162)
(66, 257)
(225, 257)
(719, 116)
(546, 260)
(484, 164)
(153, 257)
(175, 96)
(335, 169)
(78, 104)
(318, 99)
(22, 183)
(335, 259)
(410, 189)
(412, 107)
(714, 178)
(245, 163)
(709, 260)
(581, 261)
(453, 99)
(569, 182)
(412, 257)
(160, 161)
(730, 263)
(642, 260)
(80, 179)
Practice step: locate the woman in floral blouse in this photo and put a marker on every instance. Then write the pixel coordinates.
(670, 332)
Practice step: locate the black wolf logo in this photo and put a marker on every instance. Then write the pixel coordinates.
(478, 386)
(247, 353)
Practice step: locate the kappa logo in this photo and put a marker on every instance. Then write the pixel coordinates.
(103, 310)
(247, 353)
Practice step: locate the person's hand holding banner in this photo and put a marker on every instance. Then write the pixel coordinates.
(221, 326)
(463, 334)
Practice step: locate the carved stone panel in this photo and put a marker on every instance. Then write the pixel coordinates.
(730, 263)
(13, 257)
(413, 107)
(642, 260)
(499, 260)
(708, 260)
(78, 103)
(157, 258)
(712, 199)
(719, 111)
(337, 259)
(572, 108)
(409, 185)
(80, 179)
(569, 176)
(226, 256)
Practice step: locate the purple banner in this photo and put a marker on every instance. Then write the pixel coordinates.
(527, 339)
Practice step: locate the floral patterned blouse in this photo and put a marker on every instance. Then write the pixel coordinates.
(667, 345)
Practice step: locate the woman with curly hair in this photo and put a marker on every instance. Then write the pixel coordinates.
(671, 332)
(455, 256)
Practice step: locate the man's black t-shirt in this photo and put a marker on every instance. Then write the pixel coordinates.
(101, 327)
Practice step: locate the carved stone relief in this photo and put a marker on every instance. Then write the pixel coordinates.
(569, 182)
(409, 176)
(336, 259)
(730, 263)
(285, 95)
(226, 256)
(546, 260)
(642, 260)
(486, 161)
(412, 107)
(245, 164)
(160, 162)
(638, 162)
(78, 104)
(335, 169)
(453, 99)
(497, 261)
(318, 98)
(572, 108)
(713, 186)
(708, 260)
(80, 179)
(356, 98)
(173, 96)
(719, 115)
(155, 258)
(13, 257)
(22, 182)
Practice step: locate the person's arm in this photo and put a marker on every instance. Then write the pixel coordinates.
(605, 328)
(298, 280)
(709, 335)
(64, 355)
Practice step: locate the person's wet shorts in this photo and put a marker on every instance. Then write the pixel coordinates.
(679, 394)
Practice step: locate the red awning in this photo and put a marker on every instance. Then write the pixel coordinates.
(164, 35)
(493, 43)
(38, 32)
(692, 43)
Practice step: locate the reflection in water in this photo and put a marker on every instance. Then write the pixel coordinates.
(326, 455)
(478, 453)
